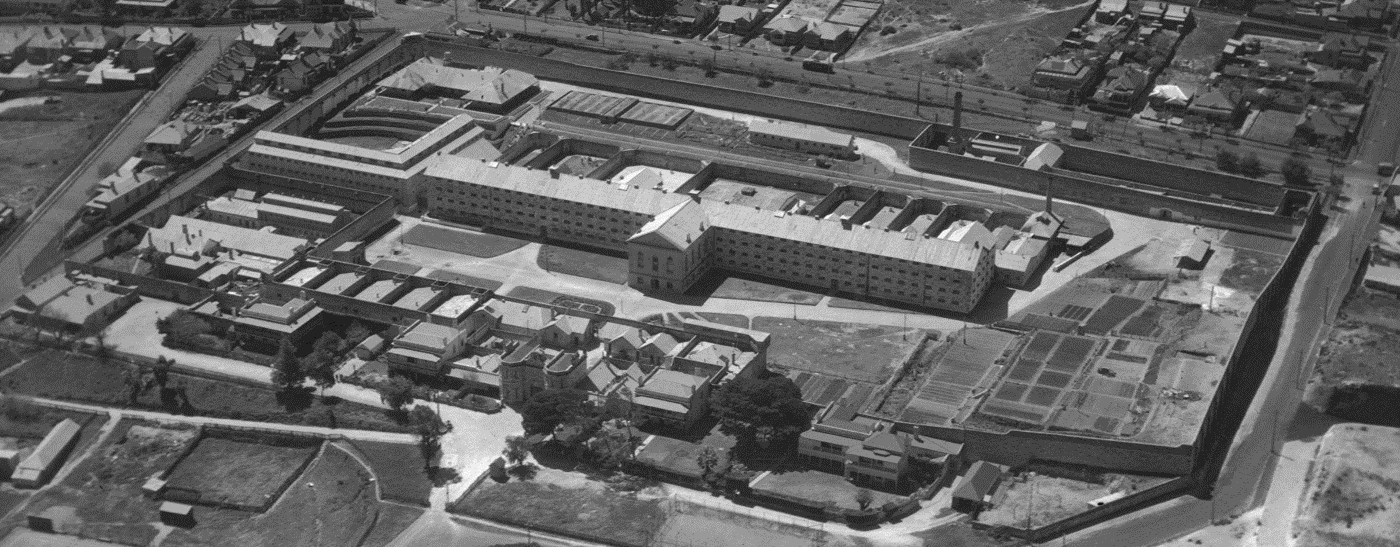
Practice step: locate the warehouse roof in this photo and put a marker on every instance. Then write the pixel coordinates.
(800, 131)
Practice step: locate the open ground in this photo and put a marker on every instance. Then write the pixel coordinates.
(41, 143)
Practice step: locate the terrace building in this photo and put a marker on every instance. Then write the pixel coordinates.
(265, 322)
(737, 19)
(424, 348)
(674, 240)
(267, 40)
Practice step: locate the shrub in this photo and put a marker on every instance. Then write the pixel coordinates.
(1251, 167)
(1227, 161)
(888, 30)
(967, 59)
(1295, 171)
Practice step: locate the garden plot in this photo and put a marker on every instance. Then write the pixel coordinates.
(970, 358)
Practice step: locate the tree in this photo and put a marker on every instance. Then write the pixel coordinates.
(610, 446)
(708, 65)
(652, 8)
(707, 459)
(1251, 167)
(551, 407)
(1295, 171)
(1336, 181)
(517, 449)
(1227, 161)
(746, 404)
(864, 497)
(429, 428)
(328, 343)
(134, 386)
(286, 370)
(161, 371)
(397, 392)
(320, 366)
(357, 332)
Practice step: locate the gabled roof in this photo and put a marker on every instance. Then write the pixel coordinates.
(162, 35)
(662, 341)
(676, 227)
(266, 34)
(1214, 99)
(617, 332)
(174, 132)
(733, 14)
(787, 24)
(977, 482)
(1060, 65)
(1319, 122)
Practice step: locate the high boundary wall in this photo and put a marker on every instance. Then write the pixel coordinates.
(1017, 448)
(1104, 195)
(1171, 176)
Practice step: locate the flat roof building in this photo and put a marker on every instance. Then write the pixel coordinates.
(801, 137)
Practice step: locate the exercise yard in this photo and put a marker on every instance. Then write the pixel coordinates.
(866, 353)
(460, 241)
(569, 503)
(244, 474)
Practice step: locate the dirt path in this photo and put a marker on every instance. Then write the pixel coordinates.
(1030, 15)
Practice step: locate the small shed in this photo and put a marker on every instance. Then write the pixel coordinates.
(1193, 254)
(973, 490)
(154, 487)
(177, 514)
(52, 520)
(370, 347)
(1079, 130)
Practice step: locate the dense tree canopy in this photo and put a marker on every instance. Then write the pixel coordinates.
(552, 407)
(745, 405)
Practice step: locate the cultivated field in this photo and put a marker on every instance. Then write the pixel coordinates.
(42, 143)
(867, 353)
(247, 474)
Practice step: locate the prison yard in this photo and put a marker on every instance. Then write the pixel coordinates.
(453, 296)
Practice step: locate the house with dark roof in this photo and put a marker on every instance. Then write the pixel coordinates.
(303, 73)
(1216, 106)
(267, 39)
(1353, 84)
(737, 19)
(1122, 87)
(786, 31)
(1318, 127)
(827, 36)
(1069, 73)
(1340, 50)
(330, 38)
(972, 491)
(146, 49)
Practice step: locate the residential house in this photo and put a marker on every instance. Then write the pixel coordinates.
(1169, 98)
(1069, 73)
(972, 492)
(1352, 84)
(1178, 17)
(786, 31)
(1152, 12)
(690, 16)
(1110, 11)
(171, 138)
(1318, 127)
(93, 43)
(1364, 14)
(657, 348)
(46, 45)
(213, 87)
(621, 341)
(303, 73)
(1122, 88)
(567, 332)
(145, 50)
(737, 19)
(1339, 50)
(329, 38)
(267, 39)
(1216, 106)
(827, 36)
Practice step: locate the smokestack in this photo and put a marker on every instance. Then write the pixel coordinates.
(1049, 200)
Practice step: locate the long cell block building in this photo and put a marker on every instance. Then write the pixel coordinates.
(672, 240)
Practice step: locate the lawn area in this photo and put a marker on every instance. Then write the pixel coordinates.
(739, 288)
(551, 297)
(42, 143)
(78, 378)
(246, 474)
(820, 487)
(867, 353)
(393, 520)
(465, 242)
(105, 489)
(332, 503)
(566, 503)
(400, 469)
(567, 260)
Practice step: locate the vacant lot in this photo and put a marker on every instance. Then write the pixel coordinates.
(401, 470)
(332, 503)
(567, 260)
(247, 474)
(1360, 347)
(42, 143)
(867, 353)
(565, 503)
(1251, 271)
(105, 489)
(820, 487)
(740, 288)
(1055, 498)
(1350, 498)
(461, 241)
(77, 378)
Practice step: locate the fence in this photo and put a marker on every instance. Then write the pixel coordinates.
(244, 435)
